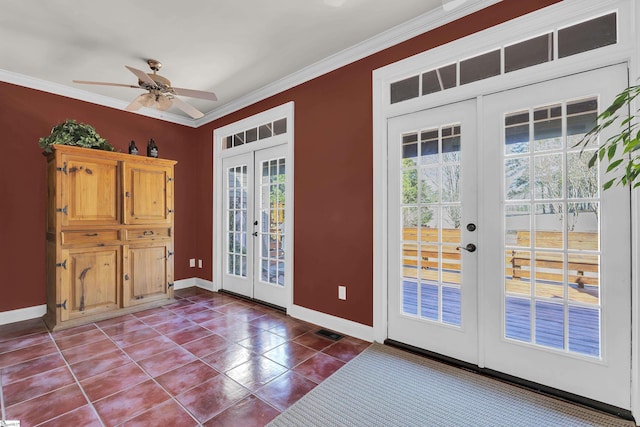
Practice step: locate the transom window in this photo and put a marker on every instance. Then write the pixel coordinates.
(263, 131)
(582, 37)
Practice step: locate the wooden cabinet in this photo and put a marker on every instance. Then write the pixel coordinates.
(109, 234)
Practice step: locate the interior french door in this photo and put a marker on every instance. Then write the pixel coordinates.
(432, 293)
(546, 295)
(557, 286)
(254, 225)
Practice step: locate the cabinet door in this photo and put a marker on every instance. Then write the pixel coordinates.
(148, 271)
(148, 194)
(90, 191)
(90, 281)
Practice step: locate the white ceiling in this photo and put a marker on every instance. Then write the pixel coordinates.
(230, 47)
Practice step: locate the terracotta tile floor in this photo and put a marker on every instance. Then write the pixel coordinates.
(208, 359)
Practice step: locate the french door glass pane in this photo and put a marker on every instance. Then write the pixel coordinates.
(272, 236)
(552, 229)
(237, 187)
(431, 213)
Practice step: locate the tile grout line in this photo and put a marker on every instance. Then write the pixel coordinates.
(249, 391)
(76, 380)
(148, 375)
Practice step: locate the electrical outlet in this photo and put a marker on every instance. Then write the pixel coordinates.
(342, 292)
(192, 262)
(199, 263)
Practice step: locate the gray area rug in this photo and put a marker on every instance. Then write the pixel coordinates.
(386, 386)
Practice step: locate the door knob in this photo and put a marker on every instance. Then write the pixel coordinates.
(255, 222)
(471, 227)
(469, 248)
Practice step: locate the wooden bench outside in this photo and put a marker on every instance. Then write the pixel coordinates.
(577, 264)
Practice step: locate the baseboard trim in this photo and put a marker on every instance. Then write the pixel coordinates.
(185, 283)
(206, 284)
(194, 282)
(334, 323)
(21, 314)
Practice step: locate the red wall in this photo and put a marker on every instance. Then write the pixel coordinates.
(25, 116)
(333, 175)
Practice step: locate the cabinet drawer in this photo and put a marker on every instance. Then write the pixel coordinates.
(89, 236)
(150, 233)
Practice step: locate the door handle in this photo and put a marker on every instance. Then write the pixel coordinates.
(469, 248)
(254, 234)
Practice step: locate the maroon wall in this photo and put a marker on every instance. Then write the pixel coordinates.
(334, 173)
(25, 116)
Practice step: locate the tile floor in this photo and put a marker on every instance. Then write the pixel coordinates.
(208, 359)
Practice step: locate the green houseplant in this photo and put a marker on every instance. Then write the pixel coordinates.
(72, 133)
(625, 143)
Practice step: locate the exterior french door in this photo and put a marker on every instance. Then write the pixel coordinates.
(558, 290)
(432, 214)
(254, 217)
(546, 295)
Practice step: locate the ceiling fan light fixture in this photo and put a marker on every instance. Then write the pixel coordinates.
(163, 103)
(146, 100)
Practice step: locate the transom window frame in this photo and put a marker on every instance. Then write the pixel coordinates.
(284, 111)
(558, 16)
(500, 57)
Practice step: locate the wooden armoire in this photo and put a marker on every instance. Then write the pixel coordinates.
(109, 234)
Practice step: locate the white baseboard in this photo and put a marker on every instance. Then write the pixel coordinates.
(206, 284)
(344, 326)
(185, 283)
(21, 314)
(194, 282)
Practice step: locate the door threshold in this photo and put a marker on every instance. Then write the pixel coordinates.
(257, 301)
(513, 380)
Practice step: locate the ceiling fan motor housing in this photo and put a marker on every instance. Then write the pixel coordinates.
(162, 82)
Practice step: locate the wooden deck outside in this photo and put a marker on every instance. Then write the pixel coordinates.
(429, 263)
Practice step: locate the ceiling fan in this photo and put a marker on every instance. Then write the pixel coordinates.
(161, 94)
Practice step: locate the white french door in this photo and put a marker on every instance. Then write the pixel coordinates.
(254, 225)
(557, 248)
(546, 295)
(432, 214)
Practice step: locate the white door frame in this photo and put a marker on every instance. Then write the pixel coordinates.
(273, 114)
(565, 13)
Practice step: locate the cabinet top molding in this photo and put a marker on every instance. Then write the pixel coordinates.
(109, 155)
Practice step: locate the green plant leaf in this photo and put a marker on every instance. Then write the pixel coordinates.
(614, 165)
(608, 184)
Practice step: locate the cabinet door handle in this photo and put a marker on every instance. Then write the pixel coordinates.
(91, 234)
(127, 194)
(126, 277)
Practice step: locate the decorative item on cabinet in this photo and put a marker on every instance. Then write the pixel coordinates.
(72, 133)
(109, 235)
(152, 149)
(132, 148)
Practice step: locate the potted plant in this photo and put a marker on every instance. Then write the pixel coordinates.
(626, 142)
(72, 133)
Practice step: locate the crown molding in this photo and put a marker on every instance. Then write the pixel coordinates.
(384, 40)
(83, 95)
(398, 34)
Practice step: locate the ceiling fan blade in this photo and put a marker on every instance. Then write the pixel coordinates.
(84, 82)
(141, 75)
(196, 114)
(134, 106)
(195, 93)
